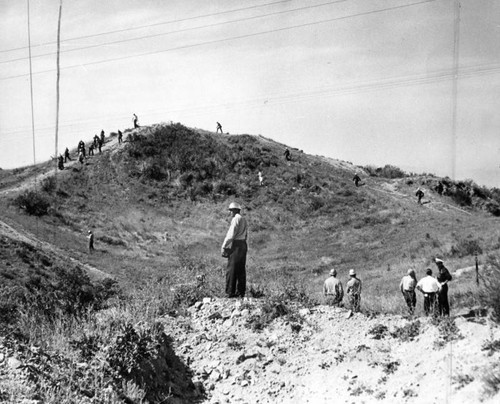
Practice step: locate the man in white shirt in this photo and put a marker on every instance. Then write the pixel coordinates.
(407, 286)
(429, 286)
(234, 248)
(332, 289)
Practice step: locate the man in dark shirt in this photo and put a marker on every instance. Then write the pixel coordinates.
(443, 278)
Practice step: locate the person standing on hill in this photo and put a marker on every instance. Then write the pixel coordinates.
(287, 155)
(135, 119)
(120, 136)
(60, 162)
(234, 248)
(219, 127)
(91, 149)
(332, 289)
(353, 290)
(66, 155)
(419, 194)
(99, 146)
(261, 179)
(407, 286)
(91, 241)
(102, 136)
(429, 287)
(356, 179)
(443, 278)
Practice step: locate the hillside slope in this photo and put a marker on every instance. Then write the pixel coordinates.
(158, 206)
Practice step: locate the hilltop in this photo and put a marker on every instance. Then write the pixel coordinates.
(158, 206)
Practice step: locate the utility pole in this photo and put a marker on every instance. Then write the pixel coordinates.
(456, 50)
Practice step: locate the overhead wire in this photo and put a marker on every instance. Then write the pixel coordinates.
(180, 30)
(222, 40)
(351, 88)
(151, 25)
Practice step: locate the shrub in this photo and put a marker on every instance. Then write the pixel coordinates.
(465, 247)
(33, 203)
(492, 380)
(408, 332)
(378, 331)
(489, 295)
(493, 208)
(461, 197)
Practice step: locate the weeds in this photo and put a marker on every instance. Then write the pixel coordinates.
(448, 331)
(34, 203)
(408, 332)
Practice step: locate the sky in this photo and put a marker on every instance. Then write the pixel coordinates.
(411, 83)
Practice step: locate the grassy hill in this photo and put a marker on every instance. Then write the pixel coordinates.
(159, 201)
(158, 206)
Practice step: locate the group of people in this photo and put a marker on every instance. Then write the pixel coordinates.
(434, 290)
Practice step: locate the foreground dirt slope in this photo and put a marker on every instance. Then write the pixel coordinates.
(332, 356)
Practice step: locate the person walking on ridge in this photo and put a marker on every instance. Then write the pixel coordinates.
(353, 290)
(356, 179)
(135, 119)
(120, 136)
(407, 287)
(234, 248)
(219, 127)
(60, 162)
(287, 155)
(419, 194)
(429, 287)
(332, 289)
(66, 155)
(443, 278)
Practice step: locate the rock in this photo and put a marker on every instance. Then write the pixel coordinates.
(245, 313)
(14, 363)
(207, 300)
(244, 383)
(198, 305)
(215, 376)
(235, 313)
(304, 312)
(228, 323)
(2, 357)
(348, 314)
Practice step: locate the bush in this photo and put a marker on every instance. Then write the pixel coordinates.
(466, 247)
(408, 332)
(489, 295)
(461, 197)
(33, 203)
(49, 184)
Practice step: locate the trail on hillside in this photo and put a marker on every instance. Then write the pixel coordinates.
(29, 238)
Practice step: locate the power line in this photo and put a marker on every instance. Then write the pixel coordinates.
(31, 84)
(275, 99)
(212, 42)
(151, 25)
(180, 30)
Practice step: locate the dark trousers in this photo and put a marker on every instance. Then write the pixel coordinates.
(355, 302)
(443, 305)
(236, 276)
(429, 303)
(410, 299)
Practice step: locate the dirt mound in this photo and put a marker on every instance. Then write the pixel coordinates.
(313, 355)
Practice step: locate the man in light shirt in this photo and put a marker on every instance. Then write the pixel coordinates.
(234, 248)
(332, 289)
(353, 290)
(429, 286)
(407, 287)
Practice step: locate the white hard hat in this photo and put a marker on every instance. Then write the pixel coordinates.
(438, 260)
(352, 272)
(333, 272)
(234, 205)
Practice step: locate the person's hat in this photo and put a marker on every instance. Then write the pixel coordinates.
(90, 231)
(234, 205)
(333, 272)
(352, 272)
(411, 271)
(438, 260)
